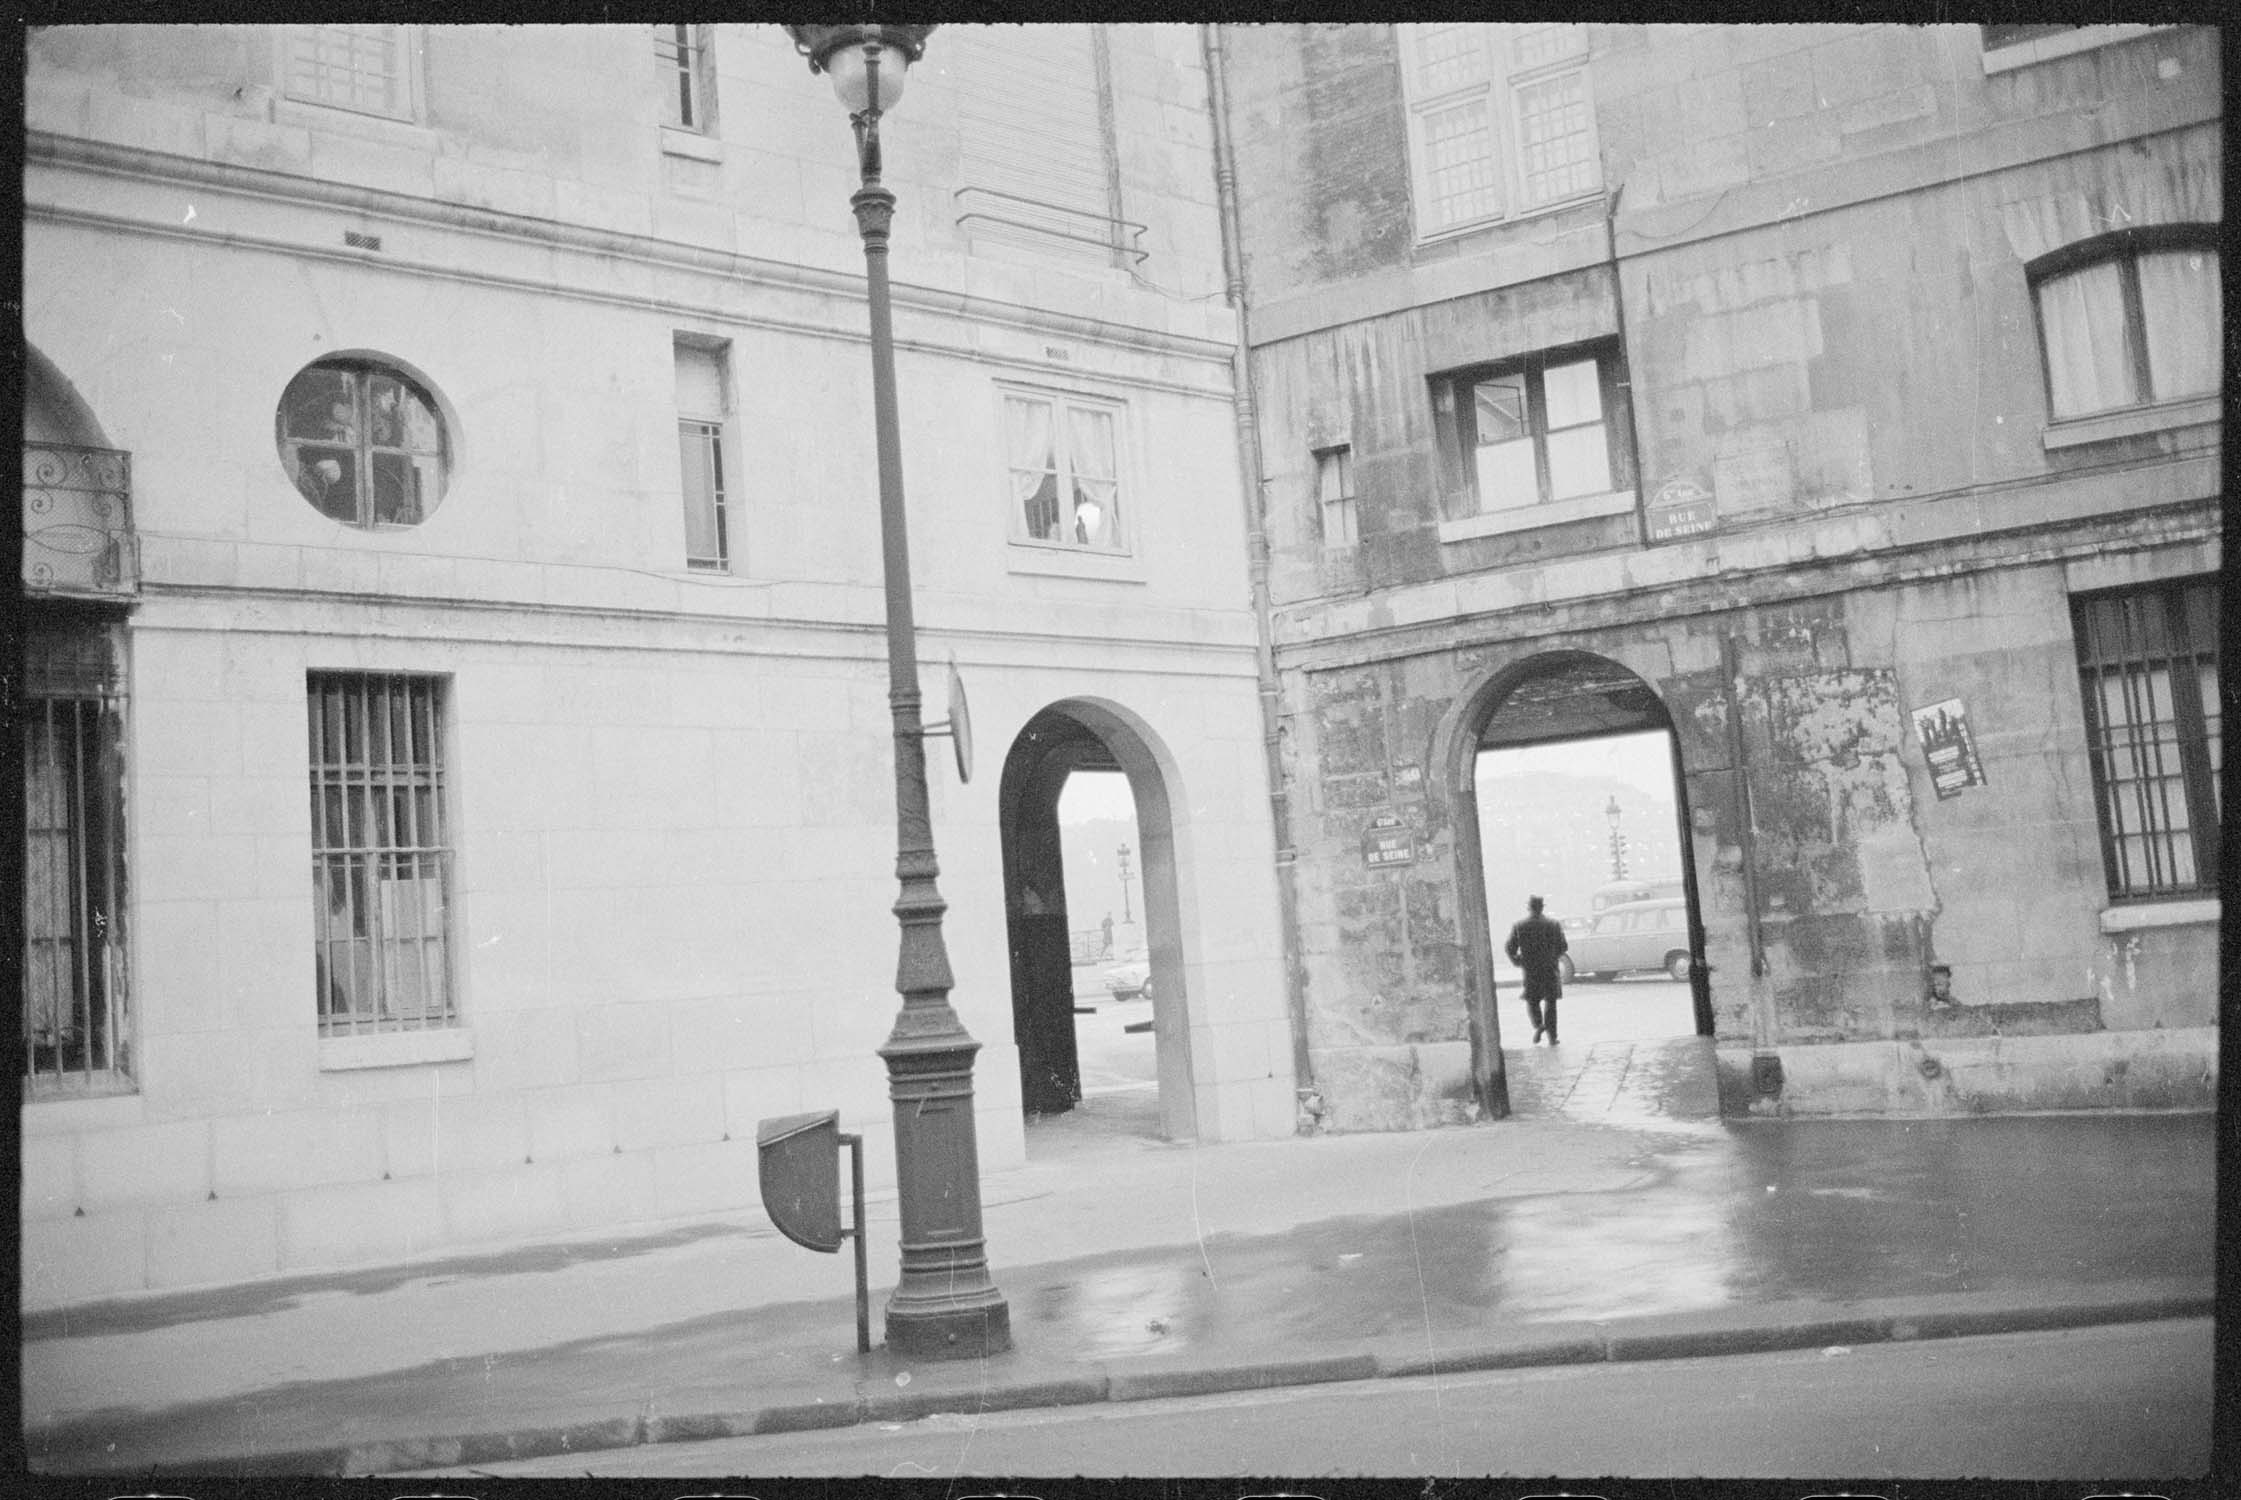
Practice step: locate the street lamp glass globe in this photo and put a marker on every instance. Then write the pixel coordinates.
(851, 78)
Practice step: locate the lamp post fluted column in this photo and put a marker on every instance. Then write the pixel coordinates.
(945, 1305)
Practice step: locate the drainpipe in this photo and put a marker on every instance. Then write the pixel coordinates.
(1256, 541)
(1766, 1063)
(1618, 313)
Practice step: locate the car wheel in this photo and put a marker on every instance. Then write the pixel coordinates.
(1564, 967)
(1677, 966)
(1127, 994)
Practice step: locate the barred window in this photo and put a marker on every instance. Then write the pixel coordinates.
(1501, 120)
(381, 854)
(2148, 663)
(76, 1033)
(358, 68)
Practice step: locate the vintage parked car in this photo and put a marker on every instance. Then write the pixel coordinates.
(1631, 936)
(1131, 978)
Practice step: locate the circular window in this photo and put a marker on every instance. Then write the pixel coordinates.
(364, 443)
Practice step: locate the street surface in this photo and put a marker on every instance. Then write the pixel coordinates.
(2132, 1399)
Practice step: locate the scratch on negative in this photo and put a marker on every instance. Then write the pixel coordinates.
(1198, 1229)
(1423, 1297)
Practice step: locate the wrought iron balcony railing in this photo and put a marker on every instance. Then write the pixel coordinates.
(77, 522)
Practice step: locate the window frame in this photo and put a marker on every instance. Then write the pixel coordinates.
(1337, 458)
(430, 774)
(406, 41)
(1455, 423)
(77, 661)
(2123, 249)
(691, 60)
(1501, 87)
(363, 448)
(715, 428)
(1121, 524)
(2191, 739)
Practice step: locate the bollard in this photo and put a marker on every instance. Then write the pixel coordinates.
(801, 1192)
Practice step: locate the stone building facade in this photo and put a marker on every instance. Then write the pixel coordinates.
(460, 752)
(456, 740)
(1733, 380)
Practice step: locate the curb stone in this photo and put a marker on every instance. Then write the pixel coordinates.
(1762, 1330)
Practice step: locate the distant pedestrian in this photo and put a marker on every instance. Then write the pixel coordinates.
(1107, 924)
(1535, 945)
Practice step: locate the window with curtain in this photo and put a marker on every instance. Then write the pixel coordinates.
(1501, 120)
(2148, 668)
(703, 416)
(1063, 457)
(2130, 320)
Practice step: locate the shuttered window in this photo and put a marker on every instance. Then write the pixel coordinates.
(1035, 160)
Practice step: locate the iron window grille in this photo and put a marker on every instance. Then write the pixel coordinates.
(682, 62)
(2148, 669)
(76, 1012)
(1546, 428)
(358, 67)
(2129, 319)
(381, 861)
(364, 443)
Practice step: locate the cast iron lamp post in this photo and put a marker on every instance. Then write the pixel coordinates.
(1128, 913)
(945, 1306)
(1618, 841)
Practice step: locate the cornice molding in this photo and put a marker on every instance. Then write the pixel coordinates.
(44, 148)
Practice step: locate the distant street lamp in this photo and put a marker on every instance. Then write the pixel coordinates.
(1127, 915)
(1618, 840)
(945, 1306)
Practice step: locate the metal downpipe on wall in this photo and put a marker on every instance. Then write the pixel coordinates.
(1246, 408)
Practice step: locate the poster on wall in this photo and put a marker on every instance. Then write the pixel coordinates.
(1943, 729)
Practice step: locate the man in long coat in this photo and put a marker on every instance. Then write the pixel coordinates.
(1535, 945)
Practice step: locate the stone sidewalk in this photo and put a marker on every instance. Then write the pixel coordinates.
(1594, 1228)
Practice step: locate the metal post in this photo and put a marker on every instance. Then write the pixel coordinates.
(945, 1306)
(863, 1265)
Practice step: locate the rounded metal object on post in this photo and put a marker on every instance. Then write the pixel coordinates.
(798, 1161)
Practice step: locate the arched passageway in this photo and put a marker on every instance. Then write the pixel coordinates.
(1570, 787)
(1081, 735)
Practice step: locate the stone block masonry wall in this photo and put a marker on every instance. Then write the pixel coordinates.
(1863, 875)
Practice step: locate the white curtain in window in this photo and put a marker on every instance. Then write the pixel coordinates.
(2180, 303)
(1096, 489)
(1034, 466)
(2089, 366)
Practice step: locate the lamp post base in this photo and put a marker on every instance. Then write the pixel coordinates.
(950, 1331)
